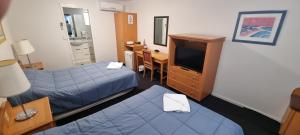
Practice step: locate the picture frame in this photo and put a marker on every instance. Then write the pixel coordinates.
(130, 19)
(2, 35)
(259, 27)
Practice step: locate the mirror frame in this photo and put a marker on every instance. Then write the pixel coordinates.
(167, 17)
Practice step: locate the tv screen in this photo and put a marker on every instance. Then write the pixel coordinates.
(189, 58)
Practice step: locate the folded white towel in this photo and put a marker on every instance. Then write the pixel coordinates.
(114, 65)
(176, 102)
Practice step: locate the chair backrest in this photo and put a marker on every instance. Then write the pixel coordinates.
(147, 57)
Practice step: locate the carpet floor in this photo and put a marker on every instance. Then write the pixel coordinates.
(252, 122)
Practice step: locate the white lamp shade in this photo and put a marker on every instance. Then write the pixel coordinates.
(23, 47)
(12, 79)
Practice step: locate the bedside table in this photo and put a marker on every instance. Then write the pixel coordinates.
(37, 66)
(41, 121)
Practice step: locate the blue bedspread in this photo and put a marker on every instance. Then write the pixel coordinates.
(75, 87)
(143, 114)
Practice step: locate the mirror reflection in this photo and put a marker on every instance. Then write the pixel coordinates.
(161, 30)
(79, 30)
(77, 22)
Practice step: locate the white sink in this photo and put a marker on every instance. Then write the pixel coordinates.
(78, 42)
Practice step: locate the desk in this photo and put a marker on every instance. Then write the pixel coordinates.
(158, 57)
(135, 47)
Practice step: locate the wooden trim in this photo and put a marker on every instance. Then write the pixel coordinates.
(199, 38)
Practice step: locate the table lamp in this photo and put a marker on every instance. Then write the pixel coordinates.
(12, 83)
(24, 47)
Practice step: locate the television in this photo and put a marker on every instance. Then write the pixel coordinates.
(189, 58)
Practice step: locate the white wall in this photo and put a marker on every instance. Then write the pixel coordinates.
(256, 76)
(38, 21)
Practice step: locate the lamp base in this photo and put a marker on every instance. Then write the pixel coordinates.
(21, 116)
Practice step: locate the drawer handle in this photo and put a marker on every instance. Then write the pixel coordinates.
(77, 49)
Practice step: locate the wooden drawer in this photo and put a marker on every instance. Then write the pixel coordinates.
(185, 72)
(184, 79)
(181, 87)
(191, 84)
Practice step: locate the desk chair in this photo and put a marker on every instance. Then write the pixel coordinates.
(148, 63)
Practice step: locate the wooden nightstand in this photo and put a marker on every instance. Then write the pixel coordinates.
(41, 121)
(37, 65)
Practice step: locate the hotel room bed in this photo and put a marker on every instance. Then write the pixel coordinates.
(76, 87)
(143, 114)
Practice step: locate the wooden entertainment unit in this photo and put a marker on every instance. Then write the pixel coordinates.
(195, 84)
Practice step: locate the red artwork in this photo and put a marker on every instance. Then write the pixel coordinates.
(257, 27)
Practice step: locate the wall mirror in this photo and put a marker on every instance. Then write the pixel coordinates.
(80, 35)
(78, 22)
(161, 30)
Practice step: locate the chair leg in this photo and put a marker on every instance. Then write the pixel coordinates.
(152, 75)
(144, 73)
(161, 73)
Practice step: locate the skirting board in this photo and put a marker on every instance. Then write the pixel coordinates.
(245, 106)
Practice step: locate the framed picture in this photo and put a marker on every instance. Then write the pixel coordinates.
(2, 36)
(130, 19)
(259, 27)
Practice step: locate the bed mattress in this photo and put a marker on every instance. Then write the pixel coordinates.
(143, 114)
(75, 87)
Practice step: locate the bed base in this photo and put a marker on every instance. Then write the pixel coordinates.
(81, 109)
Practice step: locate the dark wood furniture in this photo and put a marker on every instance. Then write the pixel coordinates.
(41, 121)
(192, 83)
